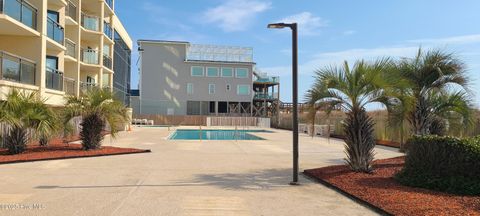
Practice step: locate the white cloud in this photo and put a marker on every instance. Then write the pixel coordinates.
(235, 15)
(464, 39)
(308, 24)
(323, 59)
(335, 58)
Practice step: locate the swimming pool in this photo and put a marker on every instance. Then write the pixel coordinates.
(187, 134)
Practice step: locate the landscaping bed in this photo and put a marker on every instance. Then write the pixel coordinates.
(57, 149)
(380, 190)
(379, 142)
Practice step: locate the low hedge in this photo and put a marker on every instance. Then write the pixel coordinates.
(445, 164)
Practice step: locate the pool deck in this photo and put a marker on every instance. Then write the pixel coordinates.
(183, 177)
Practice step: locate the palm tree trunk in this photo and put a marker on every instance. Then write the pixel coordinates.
(359, 140)
(91, 133)
(402, 136)
(421, 118)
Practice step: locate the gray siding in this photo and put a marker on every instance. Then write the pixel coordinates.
(165, 74)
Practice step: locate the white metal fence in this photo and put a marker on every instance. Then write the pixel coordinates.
(31, 136)
(238, 121)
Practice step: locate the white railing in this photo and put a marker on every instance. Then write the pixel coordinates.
(198, 52)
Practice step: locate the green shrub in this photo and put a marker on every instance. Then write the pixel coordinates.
(16, 140)
(445, 164)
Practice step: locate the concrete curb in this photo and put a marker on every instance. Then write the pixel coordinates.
(75, 157)
(350, 196)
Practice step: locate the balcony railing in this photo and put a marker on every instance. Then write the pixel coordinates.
(69, 86)
(16, 69)
(109, 3)
(71, 48)
(89, 56)
(268, 80)
(54, 79)
(199, 52)
(108, 30)
(266, 96)
(86, 86)
(55, 31)
(107, 61)
(264, 78)
(20, 10)
(71, 10)
(90, 22)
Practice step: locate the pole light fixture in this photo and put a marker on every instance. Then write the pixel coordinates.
(293, 27)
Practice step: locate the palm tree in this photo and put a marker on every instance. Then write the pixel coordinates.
(97, 109)
(436, 94)
(25, 112)
(352, 89)
(313, 109)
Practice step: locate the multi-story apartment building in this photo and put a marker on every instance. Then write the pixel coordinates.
(122, 67)
(59, 47)
(179, 78)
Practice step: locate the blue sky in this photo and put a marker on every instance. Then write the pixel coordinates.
(330, 31)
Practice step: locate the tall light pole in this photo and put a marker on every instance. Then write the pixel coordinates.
(293, 27)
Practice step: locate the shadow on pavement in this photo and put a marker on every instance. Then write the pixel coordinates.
(258, 180)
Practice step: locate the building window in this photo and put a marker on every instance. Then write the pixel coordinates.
(190, 88)
(243, 90)
(228, 87)
(242, 73)
(211, 88)
(197, 71)
(212, 72)
(227, 72)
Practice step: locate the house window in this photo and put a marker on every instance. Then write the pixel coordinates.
(190, 88)
(211, 88)
(212, 72)
(227, 72)
(228, 87)
(242, 73)
(243, 90)
(197, 71)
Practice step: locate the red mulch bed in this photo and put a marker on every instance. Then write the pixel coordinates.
(388, 143)
(382, 191)
(57, 149)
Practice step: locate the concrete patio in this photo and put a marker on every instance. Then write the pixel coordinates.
(182, 178)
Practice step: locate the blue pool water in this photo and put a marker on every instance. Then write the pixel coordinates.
(185, 134)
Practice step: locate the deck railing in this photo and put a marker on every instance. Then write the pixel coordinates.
(20, 10)
(108, 30)
(86, 86)
(89, 56)
(55, 31)
(71, 48)
(16, 69)
(54, 79)
(200, 52)
(107, 61)
(90, 22)
(69, 86)
(266, 96)
(268, 79)
(71, 10)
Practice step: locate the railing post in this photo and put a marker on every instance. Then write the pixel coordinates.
(21, 11)
(1, 60)
(20, 71)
